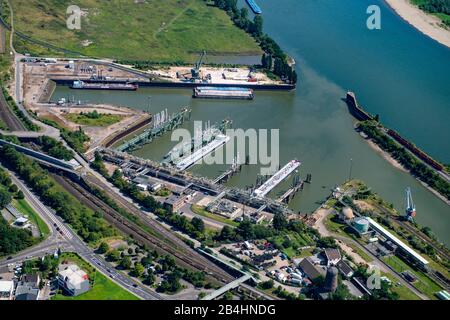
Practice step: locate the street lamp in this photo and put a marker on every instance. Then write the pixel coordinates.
(350, 170)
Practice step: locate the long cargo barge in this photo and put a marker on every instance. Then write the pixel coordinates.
(78, 84)
(223, 93)
(255, 8)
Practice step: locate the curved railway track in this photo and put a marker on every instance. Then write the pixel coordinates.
(8, 116)
(404, 224)
(180, 252)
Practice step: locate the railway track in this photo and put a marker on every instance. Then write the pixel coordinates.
(180, 253)
(404, 224)
(8, 116)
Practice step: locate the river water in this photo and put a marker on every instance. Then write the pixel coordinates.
(396, 72)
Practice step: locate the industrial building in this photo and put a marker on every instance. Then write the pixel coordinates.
(405, 250)
(345, 269)
(73, 280)
(346, 214)
(27, 292)
(310, 270)
(6, 289)
(333, 256)
(361, 225)
(174, 203)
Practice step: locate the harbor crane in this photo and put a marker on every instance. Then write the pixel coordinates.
(195, 71)
(410, 211)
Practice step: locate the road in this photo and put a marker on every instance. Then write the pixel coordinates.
(67, 240)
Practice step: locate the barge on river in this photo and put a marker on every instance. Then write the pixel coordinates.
(223, 93)
(78, 84)
(255, 8)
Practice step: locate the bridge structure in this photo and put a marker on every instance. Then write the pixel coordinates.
(69, 166)
(283, 173)
(134, 166)
(229, 286)
(162, 122)
(239, 282)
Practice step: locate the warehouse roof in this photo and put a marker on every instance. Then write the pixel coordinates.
(397, 241)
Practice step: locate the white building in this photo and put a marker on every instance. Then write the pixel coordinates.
(6, 289)
(73, 280)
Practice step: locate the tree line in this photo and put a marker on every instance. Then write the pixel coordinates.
(89, 225)
(274, 59)
(12, 239)
(437, 6)
(411, 163)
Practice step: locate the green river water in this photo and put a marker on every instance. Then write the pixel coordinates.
(396, 72)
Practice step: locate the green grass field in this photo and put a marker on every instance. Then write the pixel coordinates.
(103, 120)
(403, 292)
(202, 212)
(103, 288)
(23, 207)
(424, 284)
(160, 31)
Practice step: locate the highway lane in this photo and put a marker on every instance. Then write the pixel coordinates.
(71, 242)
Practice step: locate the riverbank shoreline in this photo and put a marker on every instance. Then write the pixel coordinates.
(426, 23)
(393, 162)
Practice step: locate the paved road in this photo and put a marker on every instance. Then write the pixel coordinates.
(68, 240)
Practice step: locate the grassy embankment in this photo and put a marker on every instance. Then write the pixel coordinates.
(160, 31)
(102, 288)
(23, 207)
(423, 283)
(100, 120)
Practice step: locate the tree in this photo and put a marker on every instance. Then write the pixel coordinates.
(226, 233)
(267, 284)
(5, 197)
(125, 263)
(257, 29)
(113, 255)
(327, 242)
(103, 248)
(245, 229)
(150, 278)
(147, 260)
(20, 195)
(138, 270)
(198, 224)
(13, 188)
(280, 222)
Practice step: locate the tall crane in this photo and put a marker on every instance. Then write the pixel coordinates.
(410, 211)
(195, 71)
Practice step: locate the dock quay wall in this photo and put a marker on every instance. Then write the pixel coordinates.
(190, 85)
(354, 108)
(114, 138)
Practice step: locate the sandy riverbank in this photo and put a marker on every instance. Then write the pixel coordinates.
(399, 166)
(425, 23)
